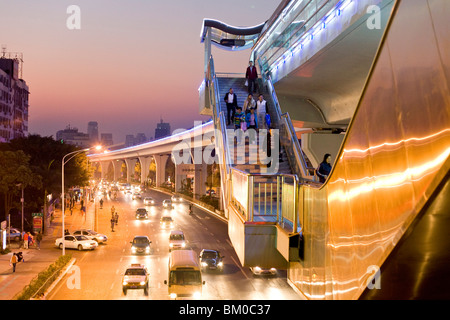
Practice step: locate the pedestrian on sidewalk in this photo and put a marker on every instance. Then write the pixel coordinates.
(25, 240)
(30, 240)
(38, 240)
(13, 261)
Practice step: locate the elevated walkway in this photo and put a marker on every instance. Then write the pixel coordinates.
(392, 160)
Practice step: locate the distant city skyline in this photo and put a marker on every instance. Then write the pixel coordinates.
(129, 64)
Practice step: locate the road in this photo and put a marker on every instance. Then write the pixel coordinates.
(100, 271)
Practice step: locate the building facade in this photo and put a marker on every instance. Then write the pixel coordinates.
(14, 94)
(162, 130)
(92, 131)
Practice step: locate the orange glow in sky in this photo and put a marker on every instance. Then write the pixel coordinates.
(130, 63)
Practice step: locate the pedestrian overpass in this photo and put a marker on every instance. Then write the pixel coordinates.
(368, 82)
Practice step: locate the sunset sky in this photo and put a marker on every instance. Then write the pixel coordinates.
(131, 62)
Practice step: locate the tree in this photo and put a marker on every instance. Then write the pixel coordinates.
(15, 174)
(213, 178)
(45, 159)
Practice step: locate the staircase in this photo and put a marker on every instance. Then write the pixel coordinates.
(246, 155)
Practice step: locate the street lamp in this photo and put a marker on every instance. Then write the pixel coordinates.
(73, 154)
(22, 201)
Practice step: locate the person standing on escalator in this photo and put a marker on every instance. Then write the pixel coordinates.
(251, 74)
(324, 168)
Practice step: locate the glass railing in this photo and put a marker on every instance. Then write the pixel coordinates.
(222, 149)
(296, 20)
(288, 136)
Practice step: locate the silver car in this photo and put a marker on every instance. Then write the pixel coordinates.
(91, 234)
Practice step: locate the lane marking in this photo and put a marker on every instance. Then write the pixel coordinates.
(239, 265)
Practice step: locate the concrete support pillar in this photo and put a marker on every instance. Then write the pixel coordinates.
(117, 165)
(131, 163)
(104, 165)
(178, 178)
(160, 160)
(145, 166)
(200, 176)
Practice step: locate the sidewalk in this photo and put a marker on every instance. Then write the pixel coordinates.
(36, 261)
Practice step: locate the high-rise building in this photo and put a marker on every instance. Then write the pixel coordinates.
(14, 94)
(70, 135)
(129, 140)
(162, 130)
(106, 139)
(140, 138)
(92, 131)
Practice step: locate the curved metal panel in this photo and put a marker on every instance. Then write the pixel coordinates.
(391, 161)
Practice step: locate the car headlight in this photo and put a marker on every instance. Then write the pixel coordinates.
(197, 295)
(147, 249)
(124, 283)
(142, 283)
(257, 269)
(133, 249)
(173, 295)
(220, 264)
(183, 244)
(171, 245)
(204, 264)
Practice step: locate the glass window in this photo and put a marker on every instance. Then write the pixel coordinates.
(209, 255)
(135, 272)
(185, 277)
(177, 237)
(140, 241)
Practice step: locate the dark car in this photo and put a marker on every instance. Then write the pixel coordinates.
(211, 259)
(141, 213)
(140, 245)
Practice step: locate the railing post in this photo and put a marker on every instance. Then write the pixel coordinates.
(250, 197)
(295, 222)
(278, 199)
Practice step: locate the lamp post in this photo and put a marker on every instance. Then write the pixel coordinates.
(73, 154)
(22, 201)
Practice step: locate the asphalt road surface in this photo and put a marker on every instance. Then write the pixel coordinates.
(98, 274)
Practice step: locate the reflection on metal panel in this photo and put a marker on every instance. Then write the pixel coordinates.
(390, 162)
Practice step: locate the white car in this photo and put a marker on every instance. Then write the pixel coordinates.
(166, 222)
(76, 242)
(167, 204)
(258, 271)
(149, 201)
(176, 240)
(91, 234)
(136, 195)
(135, 277)
(175, 198)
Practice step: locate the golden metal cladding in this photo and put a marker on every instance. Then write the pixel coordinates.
(390, 161)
